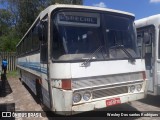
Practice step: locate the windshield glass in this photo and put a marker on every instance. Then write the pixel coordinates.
(120, 33)
(77, 35)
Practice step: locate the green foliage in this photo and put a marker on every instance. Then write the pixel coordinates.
(29, 10)
(5, 21)
(9, 41)
(18, 17)
(12, 74)
(8, 37)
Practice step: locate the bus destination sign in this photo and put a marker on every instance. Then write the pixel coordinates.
(76, 19)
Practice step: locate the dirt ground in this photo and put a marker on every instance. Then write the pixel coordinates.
(19, 98)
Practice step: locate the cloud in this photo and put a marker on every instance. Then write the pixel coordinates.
(101, 4)
(154, 1)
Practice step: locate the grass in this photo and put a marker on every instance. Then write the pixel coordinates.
(12, 73)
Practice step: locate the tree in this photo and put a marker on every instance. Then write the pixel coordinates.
(5, 21)
(8, 42)
(25, 11)
(29, 10)
(8, 37)
(18, 17)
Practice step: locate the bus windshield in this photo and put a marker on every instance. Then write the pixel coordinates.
(77, 35)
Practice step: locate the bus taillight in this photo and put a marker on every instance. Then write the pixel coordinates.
(144, 75)
(66, 84)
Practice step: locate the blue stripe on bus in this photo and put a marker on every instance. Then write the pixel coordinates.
(34, 66)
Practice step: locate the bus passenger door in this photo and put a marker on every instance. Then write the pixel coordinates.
(145, 43)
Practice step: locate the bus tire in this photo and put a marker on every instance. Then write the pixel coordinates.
(39, 90)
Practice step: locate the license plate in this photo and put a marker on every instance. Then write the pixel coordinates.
(113, 101)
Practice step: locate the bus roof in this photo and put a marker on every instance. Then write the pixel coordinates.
(151, 20)
(53, 7)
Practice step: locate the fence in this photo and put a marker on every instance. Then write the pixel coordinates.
(11, 58)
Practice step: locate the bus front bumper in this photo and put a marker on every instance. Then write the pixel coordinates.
(98, 104)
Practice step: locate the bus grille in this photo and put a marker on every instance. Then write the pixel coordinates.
(105, 80)
(109, 92)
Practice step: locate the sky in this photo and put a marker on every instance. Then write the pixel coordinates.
(141, 8)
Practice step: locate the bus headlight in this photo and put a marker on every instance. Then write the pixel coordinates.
(86, 96)
(132, 88)
(76, 97)
(139, 87)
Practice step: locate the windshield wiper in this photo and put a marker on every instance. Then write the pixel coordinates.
(85, 63)
(126, 52)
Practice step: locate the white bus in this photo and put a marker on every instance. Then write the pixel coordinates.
(81, 58)
(148, 37)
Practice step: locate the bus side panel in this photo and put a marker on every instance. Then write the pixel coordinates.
(30, 80)
(158, 77)
(33, 75)
(27, 78)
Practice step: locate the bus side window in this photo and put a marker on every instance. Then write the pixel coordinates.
(35, 38)
(139, 43)
(57, 49)
(147, 41)
(43, 36)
